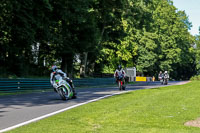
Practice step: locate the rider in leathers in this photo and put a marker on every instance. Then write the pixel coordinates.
(118, 72)
(160, 75)
(54, 73)
(166, 75)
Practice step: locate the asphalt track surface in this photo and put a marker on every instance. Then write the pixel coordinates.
(18, 109)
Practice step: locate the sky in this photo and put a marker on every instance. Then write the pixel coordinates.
(192, 10)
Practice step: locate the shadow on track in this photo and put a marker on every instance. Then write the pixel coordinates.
(50, 98)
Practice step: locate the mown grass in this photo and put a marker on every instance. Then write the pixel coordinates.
(160, 110)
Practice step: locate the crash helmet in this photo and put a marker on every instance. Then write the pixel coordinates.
(119, 67)
(165, 71)
(54, 68)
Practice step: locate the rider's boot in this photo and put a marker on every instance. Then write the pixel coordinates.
(73, 89)
(55, 89)
(74, 93)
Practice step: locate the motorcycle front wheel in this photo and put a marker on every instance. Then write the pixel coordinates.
(165, 82)
(120, 86)
(63, 93)
(123, 87)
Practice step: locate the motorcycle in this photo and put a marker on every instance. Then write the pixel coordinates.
(63, 88)
(165, 80)
(161, 80)
(121, 83)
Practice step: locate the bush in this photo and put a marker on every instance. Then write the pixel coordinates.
(197, 77)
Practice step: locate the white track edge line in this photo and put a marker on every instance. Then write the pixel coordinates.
(59, 111)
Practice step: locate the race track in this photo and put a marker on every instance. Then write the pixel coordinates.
(22, 109)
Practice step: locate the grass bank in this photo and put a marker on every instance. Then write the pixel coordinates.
(160, 110)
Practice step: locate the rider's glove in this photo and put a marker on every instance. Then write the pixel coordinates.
(68, 79)
(55, 85)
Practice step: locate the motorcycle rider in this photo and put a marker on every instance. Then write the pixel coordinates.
(160, 75)
(54, 73)
(165, 78)
(166, 75)
(118, 72)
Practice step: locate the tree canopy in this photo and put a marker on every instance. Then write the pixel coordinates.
(94, 36)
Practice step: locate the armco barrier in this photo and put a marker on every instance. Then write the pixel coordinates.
(13, 85)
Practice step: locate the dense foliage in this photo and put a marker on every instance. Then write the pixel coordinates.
(94, 36)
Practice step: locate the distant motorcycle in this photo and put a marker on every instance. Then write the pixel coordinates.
(121, 83)
(64, 89)
(161, 80)
(165, 80)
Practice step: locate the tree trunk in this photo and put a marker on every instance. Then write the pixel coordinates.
(40, 55)
(101, 36)
(67, 63)
(85, 62)
(83, 67)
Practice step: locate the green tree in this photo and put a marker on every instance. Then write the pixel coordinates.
(5, 34)
(174, 39)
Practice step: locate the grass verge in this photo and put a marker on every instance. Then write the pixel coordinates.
(160, 110)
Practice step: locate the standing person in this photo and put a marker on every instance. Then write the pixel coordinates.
(55, 72)
(153, 78)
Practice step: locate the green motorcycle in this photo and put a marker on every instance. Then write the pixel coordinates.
(64, 89)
